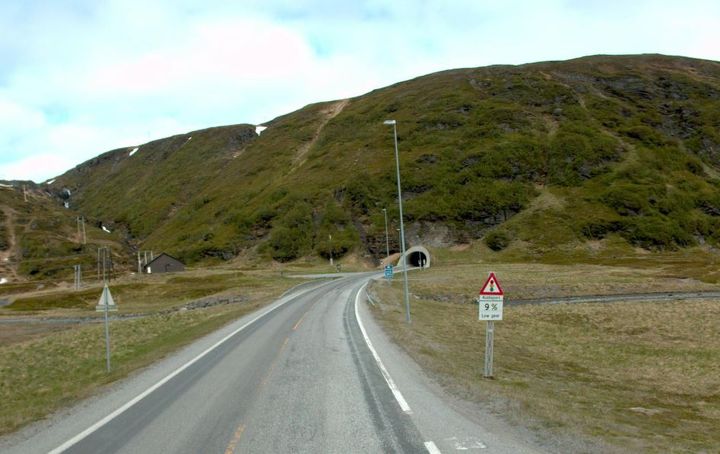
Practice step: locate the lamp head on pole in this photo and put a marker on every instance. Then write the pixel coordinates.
(389, 122)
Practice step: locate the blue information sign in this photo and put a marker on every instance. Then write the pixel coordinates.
(389, 271)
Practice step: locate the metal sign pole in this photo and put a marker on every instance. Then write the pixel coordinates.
(107, 331)
(489, 334)
(105, 305)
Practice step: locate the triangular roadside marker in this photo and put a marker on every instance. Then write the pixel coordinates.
(491, 286)
(106, 296)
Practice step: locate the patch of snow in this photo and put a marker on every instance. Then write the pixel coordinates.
(133, 151)
(50, 181)
(66, 204)
(5, 185)
(259, 129)
(106, 229)
(3, 280)
(189, 138)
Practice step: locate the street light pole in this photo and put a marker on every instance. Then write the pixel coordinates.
(387, 241)
(402, 228)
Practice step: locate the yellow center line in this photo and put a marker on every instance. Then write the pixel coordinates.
(303, 316)
(235, 440)
(300, 321)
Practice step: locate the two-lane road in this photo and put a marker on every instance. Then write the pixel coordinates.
(299, 376)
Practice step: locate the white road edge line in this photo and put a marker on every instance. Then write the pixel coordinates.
(432, 449)
(167, 378)
(388, 379)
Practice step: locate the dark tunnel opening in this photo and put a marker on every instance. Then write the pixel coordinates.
(417, 258)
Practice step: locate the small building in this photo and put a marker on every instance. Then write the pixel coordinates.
(164, 263)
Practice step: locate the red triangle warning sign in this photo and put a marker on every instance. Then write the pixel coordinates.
(491, 286)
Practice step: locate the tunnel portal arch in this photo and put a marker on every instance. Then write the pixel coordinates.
(417, 256)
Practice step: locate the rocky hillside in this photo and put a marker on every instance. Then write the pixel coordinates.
(625, 148)
(40, 239)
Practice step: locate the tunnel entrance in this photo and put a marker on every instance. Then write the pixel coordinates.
(417, 256)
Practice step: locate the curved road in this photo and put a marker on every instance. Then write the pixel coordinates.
(310, 373)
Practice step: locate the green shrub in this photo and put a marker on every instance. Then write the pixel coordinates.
(599, 229)
(497, 240)
(655, 232)
(341, 242)
(284, 244)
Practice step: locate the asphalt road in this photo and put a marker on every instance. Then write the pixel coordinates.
(311, 373)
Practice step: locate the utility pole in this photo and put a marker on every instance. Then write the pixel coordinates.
(25, 192)
(78, 277)
(331, 251)
(402, 227)
(104, 262)
(81, 229)
(387, 240)
(144, 257)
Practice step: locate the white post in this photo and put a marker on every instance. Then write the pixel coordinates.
(489, 334)
(107, 329)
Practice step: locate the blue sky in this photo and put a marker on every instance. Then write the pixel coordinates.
(80, 77)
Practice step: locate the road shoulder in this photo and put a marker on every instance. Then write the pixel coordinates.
(452, 424)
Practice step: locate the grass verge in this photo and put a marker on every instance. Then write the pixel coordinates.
(640, 376)
(47, 372)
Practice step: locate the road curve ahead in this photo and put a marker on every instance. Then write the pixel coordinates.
(309, 374)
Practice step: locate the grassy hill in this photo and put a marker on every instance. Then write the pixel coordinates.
(41, 240)
(602, 150)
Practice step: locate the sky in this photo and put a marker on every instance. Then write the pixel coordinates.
(81, 77)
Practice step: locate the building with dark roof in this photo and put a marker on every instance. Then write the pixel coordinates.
(164, 263)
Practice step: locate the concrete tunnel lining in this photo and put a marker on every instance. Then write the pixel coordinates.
(417, 256)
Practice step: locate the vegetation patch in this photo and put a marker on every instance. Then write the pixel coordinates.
(630, 143)
(42, 370)
(641, 376)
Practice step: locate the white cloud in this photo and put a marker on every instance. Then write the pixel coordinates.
(124, 72)
(35, 167)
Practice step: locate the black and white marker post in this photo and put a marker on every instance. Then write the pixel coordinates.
(490, 304)
(106, 304)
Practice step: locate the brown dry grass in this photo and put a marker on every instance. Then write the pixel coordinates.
(143, 293)
(533, 280)
(41, 371)
(641, 376)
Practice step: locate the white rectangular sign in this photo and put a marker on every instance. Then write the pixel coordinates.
(491, 307)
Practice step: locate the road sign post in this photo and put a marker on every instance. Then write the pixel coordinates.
(106, 304)
(489, 334)
(490, 302)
